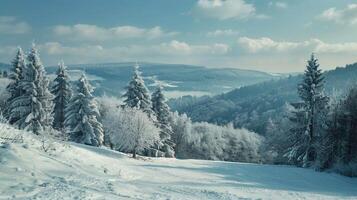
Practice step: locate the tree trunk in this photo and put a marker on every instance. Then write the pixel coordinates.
(134, 153)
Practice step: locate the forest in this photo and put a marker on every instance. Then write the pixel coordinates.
(307, 126)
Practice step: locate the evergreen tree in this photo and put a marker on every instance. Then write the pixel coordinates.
(137, 95)
(33, 108)
(331, 144)
(311, 116)
(82, 114)
(348, 120)
(61, 89)
(340, 143)
(162, 112)
(18, 64)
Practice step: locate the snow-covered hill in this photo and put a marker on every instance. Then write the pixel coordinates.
(74, 171)
(178, 80)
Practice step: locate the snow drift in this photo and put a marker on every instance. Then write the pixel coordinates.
(74, 171)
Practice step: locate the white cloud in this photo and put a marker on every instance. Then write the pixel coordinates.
(347, 15)
(254, 45)
(96, 33)
(322, 47)
(226, 32)
(264, 44)
(173, 48)
(182, 48)
(10, 25)
(225, 9)
(169, 52)
(281, 4)
(278, 4)
(263, 53)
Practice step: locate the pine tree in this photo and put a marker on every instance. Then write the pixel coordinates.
(137, 95)
(311, 115)
(62, 92)
(162, 112)
(32, 110)
(339, 146)
(348, 121)
(82, 114)
(18, 64)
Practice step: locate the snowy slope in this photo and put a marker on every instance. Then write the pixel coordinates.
(74, 171)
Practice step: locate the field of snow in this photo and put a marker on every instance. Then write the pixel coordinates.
(74, 171)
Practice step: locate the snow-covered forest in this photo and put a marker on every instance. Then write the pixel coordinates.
(178, 100)
(317, 132)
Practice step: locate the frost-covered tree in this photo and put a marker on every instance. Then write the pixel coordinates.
(62, 92)
(4, 96)
(32, 110)
(107, 105)
(18, 64)
(181, 131)
(130, 130)
(339, 146)
(347, 119)
(208, 141)
(310, 116)
(82, 116)
(137, 94)
(162, 112)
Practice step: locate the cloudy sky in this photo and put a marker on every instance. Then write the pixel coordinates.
(273, 36)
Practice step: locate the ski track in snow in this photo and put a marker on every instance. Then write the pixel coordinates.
(77, 171)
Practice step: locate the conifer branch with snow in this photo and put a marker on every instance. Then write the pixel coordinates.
(32, 109)
(162, 112)
(137, 94)
(309, 115)
(62, 92)
(82, 116)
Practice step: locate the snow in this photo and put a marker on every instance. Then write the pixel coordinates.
(75, 171)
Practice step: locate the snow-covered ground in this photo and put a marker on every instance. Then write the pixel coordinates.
(74, 171)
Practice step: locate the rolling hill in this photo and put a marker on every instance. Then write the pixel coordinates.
(178, 80)
(251, 106)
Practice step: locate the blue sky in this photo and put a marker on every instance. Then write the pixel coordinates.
(273, 36)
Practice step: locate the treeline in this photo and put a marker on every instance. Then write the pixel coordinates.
(38, 106)
(314, 126)
(140, 124)
(192, 140)
(319, 131)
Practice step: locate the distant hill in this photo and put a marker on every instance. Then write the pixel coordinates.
(178, 80)
(251, 106)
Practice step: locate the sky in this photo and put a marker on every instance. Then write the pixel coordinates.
(265, 35)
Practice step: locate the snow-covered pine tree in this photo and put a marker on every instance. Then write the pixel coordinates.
(33, 108)
(18, 64)
(82, 114)
(61, 89)
(137, 95)
(162, 112)
(313, 110)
